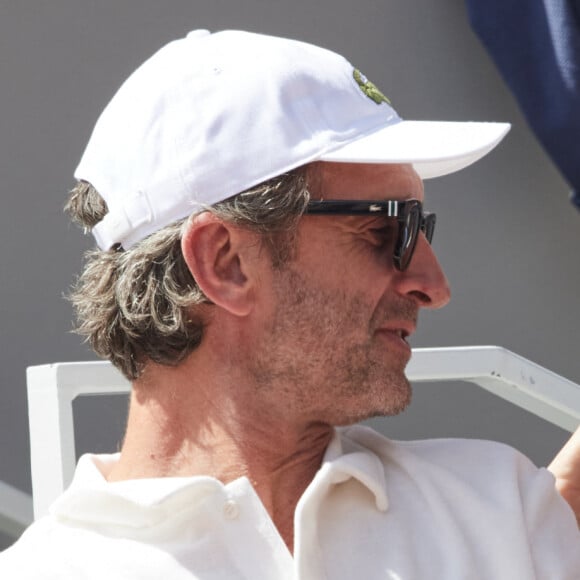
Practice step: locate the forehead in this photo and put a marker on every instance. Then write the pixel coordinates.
(364, 181)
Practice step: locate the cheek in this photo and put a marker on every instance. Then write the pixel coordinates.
(347, 277)
(325, 306)
(352, 270)
(367, 280)
(347, 316)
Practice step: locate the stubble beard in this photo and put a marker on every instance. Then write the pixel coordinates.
(320, 356)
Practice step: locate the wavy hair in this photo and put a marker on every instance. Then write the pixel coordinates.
(139, 305)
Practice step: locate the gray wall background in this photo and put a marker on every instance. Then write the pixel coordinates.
(507, 235)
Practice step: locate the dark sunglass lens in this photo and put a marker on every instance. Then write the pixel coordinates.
(409, 226)
(428, 226)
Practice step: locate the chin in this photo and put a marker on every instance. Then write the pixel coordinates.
(386, 403)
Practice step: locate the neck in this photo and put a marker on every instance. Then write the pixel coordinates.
(184, 426)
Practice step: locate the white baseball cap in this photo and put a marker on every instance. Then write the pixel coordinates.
(211, 115)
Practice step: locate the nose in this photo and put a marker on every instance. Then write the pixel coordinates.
(424, 280)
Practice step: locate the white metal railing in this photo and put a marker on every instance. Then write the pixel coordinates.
(15, 510)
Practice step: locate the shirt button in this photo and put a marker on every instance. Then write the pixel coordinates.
(231, 509)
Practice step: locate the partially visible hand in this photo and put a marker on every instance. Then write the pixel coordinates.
(566, 469)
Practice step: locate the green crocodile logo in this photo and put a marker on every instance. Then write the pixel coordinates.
(369, 89)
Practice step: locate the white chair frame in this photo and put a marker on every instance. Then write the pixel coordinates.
(15, 510)
(52, 389)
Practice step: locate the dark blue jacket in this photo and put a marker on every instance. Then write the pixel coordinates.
(536, 46)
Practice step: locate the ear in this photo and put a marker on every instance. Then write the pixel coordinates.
(218, 254)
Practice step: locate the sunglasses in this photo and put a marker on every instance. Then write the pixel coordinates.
(409, 215)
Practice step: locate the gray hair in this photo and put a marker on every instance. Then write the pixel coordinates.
(139, 305)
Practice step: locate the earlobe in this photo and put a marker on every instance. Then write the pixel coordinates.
(215, 253)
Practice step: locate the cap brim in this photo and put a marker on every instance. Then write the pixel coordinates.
(434, 148)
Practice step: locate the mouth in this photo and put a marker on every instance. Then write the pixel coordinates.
(396, 338)
(397, 333)
(403, 334)
(402, 328)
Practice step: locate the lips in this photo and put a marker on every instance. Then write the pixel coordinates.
(402, 328)
(395, 334)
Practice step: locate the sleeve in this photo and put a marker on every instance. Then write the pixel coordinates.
(552, 529)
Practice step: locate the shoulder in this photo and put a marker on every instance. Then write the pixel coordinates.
(475, 488)
(444, 452)
(490, 479)
(52, 550)
(485, 468)
(32, 555)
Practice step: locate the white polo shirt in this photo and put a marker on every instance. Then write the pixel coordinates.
(377, 509)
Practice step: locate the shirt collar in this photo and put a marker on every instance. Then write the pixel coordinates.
(349, 456)
(91, 498)
(140, 502)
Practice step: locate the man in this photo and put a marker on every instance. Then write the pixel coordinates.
(263, 256)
